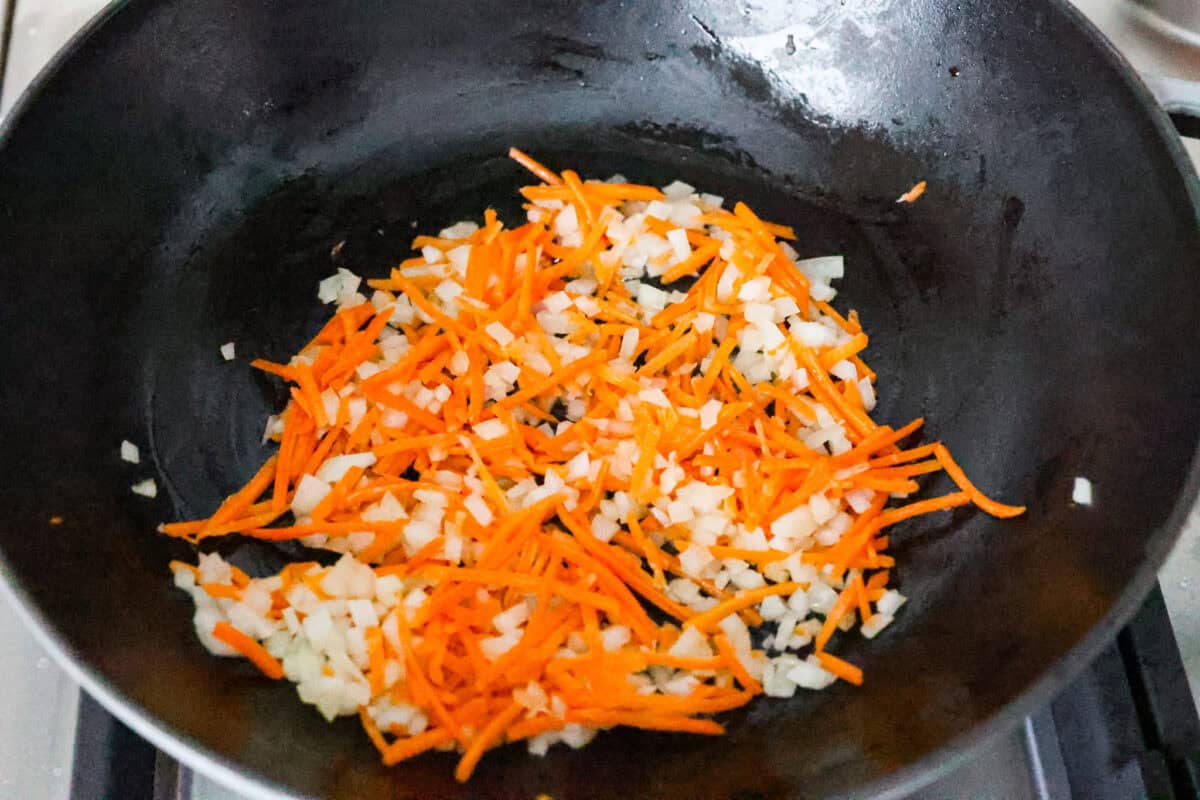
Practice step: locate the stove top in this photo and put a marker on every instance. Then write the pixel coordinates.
(1127, 728)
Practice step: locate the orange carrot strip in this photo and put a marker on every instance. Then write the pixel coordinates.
(222, 590)
(312, 394)
(510, 533)
(375, 659)
(571, 179)
(421, 351)
(843, 669)
(977, 497)
(420, 683)
(841, 607)
(252, 650)
(419, 300)
(822, 387)
(884, 484)
(372, 730)
(410, 746)
(527, 728)
(330, 528)
(617, 562)
(692, 263)
(192, 529)
(912, 194)
(490, 735)
(525, 292)
(715, 365)
(414, 412)
(336, 495)
(653, 555)
(700, 702)
(905, 471)
(567, 373)
(879, 439)
(175, 564)
(606, 192)
(496, 577)
(491, 488)
(640, 485)
(533, 166)
(668, 354)
(736, 666)
(852, 545)
(322, 451)
(587, 248)
(864, 599)
(843, 323)
(902, 456)
(237, 503)
(753, 556)
(852, 347)
(631, 610)
(279, 370)
(410, 443)
(607, 718)
(683, 662)
(706, 621)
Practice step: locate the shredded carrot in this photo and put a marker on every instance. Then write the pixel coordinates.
(852, 347)
(537, 169)
(222, 590)
(241, 500)
(692, 263)
(535, 444)
(684, 662)
(912, 194)
(710, 618)
(485, 739)
(638, 719)
(502, 578)
(756, 556)
(843, 669)
(735, 665)
(373, 732)
(248, 647)
(405, 748)
(977, 497)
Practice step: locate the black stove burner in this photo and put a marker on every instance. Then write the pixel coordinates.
(1126, 729)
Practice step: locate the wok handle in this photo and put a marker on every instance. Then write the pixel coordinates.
(1180, 98)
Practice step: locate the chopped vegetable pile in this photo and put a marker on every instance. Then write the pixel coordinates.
(571, 466)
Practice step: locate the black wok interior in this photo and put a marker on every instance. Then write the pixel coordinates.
(180, 180)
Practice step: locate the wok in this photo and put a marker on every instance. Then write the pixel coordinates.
(177, 179)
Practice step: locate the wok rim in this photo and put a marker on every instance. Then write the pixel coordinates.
(893, 786)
